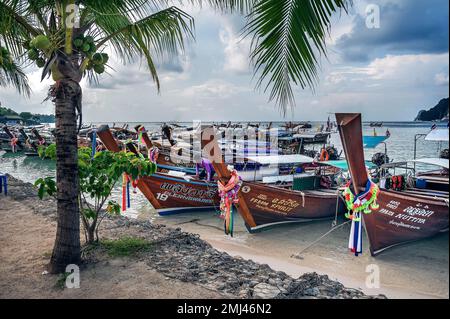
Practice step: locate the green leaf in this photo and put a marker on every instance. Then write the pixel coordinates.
(41, 191)
(288, 36)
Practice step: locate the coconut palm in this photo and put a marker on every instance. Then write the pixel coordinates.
(288, 35)
(48, 33)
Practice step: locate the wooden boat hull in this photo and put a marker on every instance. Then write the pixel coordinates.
(262, 206)
(173, 195)
(169, 194)
(401, 219)
(403, 216)
(270, 205)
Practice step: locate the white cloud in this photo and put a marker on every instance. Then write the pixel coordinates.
(236, 50)
(441, 79)
(213, 89)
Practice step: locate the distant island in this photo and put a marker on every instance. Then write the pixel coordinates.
(437, 113)
(8, 115)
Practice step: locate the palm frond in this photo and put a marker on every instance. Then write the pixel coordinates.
(161, 34)
(12, 75)
(287, 37)
(227, 6)
(13, 26)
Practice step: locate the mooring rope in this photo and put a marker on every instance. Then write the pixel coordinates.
(318, 239)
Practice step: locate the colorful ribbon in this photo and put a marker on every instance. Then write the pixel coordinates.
(364, 202)
(355, 238)
(125, 192)
(228, 196)
(153, 154)
(94, 142)
(13, 143)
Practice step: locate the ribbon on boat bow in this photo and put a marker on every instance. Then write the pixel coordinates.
(356, 204)
(228, 196)
(13, 143)
(125, 192)
(141, 130)
(153, 154)
(126, 182)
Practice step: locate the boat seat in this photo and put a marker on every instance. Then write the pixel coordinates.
(176, 173)
(429, 190)
(277, 178)
(437, 180)
(427, 193)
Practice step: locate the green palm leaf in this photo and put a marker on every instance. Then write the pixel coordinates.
(12, 75)
(287, 37)
(139, 32)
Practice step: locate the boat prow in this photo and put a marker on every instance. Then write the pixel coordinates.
(403, 215)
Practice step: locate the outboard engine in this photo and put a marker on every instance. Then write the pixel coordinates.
(333, 153)
(167, 133)
(444, 153)
(380, 158)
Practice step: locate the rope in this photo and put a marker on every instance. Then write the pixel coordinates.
(94, 143)
(318, 239)
(334, 223)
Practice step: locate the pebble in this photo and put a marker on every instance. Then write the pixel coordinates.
(265, 291)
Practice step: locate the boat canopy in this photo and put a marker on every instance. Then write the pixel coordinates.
(437, 135)
(442, 162)
(281, 159)
(342, 164)
(309, 135)
(373, 141)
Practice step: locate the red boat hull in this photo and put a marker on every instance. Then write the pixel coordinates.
(401, 219)
(270, 205)
(170, 195)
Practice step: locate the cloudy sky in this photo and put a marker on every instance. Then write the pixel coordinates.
(387, 73)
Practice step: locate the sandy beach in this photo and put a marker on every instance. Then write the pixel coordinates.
(27, 239)
(415, 270)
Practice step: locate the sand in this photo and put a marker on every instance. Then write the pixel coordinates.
(414, 270)
(26, 242)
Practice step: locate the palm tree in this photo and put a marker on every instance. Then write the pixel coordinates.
(287, 37)
(47, 32)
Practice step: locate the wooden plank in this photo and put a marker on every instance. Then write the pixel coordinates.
(105, 135)
(350, 130)
(211, 149)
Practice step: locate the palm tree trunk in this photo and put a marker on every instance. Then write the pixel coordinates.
(67, 244)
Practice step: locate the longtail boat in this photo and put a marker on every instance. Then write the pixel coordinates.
(263, 205)
(403, 215)
(166, 153)
(30, 143)
(41, 140)
(171, 192)
(11, 136)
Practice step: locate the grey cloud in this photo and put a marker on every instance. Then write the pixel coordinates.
(408, 26)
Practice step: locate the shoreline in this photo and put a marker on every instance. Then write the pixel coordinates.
(177, 259)
(416, 270)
